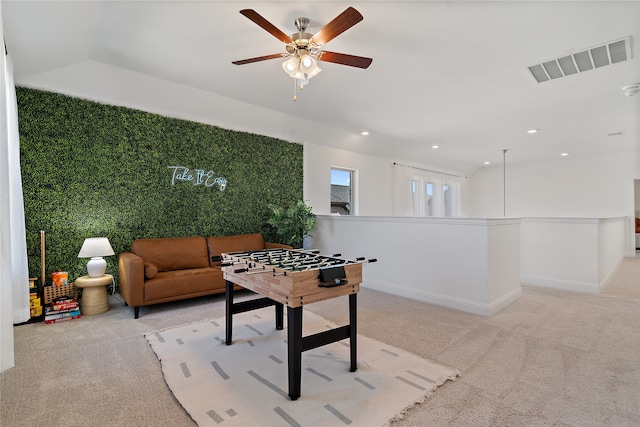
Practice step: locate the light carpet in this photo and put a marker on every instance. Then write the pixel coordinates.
(246, 383)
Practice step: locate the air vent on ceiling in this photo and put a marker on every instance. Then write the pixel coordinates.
(584, 60)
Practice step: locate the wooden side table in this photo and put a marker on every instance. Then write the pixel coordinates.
(95, 299)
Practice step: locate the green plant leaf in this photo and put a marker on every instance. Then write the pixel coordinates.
(292, 223)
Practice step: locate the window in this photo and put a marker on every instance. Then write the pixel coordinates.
(341, 191)
(423, 192)
(446, 192)
(434, 197)
(429, 199)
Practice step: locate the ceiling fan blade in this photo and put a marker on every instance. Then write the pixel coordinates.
(344, 59)
(339, 25)
(258, 58)
(258, 19)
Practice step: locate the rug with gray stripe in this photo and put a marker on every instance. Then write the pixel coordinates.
(245, 384)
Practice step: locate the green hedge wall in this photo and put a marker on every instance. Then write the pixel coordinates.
(92, 170)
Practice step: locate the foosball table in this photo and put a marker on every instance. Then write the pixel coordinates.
(294, 278)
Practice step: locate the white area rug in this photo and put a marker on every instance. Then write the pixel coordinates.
(246, 384)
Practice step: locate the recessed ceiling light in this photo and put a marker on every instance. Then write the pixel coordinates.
(435, 146)
(487, 163)
(364, 133)
(631, 90)
(532, 131)
(565, 154)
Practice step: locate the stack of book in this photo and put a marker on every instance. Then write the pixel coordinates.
(61, 309)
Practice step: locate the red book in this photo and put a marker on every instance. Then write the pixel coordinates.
(62, 319)
(59, 306)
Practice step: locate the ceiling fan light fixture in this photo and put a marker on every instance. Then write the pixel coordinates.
(309, 66)
(307, 63)
(303, 49)
(313, 72)
(290, 66)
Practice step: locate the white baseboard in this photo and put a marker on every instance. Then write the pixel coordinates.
(468, 306)
(497, 305)
(605, 281)
(567, 285)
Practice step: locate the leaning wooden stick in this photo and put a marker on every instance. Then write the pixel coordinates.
(42, 256)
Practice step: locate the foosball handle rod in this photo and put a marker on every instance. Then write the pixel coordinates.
(311, 251)
(252, 270)
(364, 260)
(359, 259)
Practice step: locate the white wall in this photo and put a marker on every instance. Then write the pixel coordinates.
(637, 197)
(584, 187)
(611, 247)
(375, 176)
(589, 187)
(594, 187)
(577, 254)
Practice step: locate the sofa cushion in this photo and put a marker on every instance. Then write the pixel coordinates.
(150, 270)
(224, 244)
(170, 285)
(173, 253)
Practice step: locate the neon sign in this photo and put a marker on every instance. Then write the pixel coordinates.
(197, 177)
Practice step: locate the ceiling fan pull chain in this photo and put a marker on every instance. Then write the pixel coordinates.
(295, 84)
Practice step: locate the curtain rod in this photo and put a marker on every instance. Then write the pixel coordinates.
(429, 170)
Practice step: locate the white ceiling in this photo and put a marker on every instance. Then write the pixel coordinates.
(451, 73)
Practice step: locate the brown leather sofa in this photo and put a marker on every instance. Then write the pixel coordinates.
(174, 268)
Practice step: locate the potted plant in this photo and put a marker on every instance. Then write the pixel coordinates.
(293, 223)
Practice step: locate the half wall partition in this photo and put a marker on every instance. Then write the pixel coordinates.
(468, 264)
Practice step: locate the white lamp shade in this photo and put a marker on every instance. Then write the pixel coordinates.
(95, 248)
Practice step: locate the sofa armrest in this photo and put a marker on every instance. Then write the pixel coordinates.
(131, 280)
(268, 245)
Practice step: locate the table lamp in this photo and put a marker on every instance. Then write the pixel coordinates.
(95, 248)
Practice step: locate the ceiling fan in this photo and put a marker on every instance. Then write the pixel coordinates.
(303, 50)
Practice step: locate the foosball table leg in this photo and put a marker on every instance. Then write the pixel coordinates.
(229, 313)
(294, 349)
(279, 316)
(353, 330)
